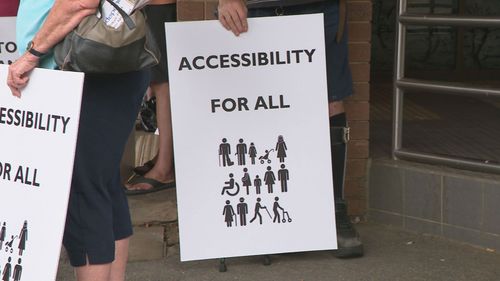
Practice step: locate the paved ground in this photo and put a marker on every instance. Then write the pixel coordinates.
(391, 254)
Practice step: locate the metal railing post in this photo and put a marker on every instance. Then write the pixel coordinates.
(399, 74)
(401, 84)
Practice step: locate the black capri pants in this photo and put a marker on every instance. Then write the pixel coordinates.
(98, 212)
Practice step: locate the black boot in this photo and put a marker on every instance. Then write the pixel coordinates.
(349, 243)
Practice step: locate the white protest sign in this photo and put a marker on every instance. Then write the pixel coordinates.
(37, 147)
(251, 137)
(8, 47)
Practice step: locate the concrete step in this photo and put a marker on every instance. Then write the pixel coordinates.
(154, 219)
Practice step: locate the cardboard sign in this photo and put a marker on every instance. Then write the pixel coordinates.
(251, 137)
(8, 47)
(37, 147)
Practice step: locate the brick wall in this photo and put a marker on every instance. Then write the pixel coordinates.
(357, 106)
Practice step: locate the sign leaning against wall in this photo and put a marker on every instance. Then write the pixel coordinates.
(251, 139)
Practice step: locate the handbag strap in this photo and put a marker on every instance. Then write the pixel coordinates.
(126, 18)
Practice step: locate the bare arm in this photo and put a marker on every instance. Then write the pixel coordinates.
(233, 15)
(64, 16)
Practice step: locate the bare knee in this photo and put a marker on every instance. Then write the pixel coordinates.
(335, 107)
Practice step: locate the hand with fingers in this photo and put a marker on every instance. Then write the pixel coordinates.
(233, 15)
(19, 71)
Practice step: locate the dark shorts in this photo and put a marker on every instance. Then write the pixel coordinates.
(98, 213)
(337, 55)
(157, 16)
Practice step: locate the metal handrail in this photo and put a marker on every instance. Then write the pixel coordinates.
(401, 83)
(467, 21)
(460, 163)
(454, 88)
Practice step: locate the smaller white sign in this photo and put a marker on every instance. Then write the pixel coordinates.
(251, 137)
(37, 147)
(8, 48)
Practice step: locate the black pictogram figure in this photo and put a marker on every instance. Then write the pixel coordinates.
(224, 152)
(276, 207)
(229, 215)
(2, 234)
(269, 179)
(281, 149)
(242, 210)
(23, 236)
(265, 157)
(241, 152)
(252, 152)
(246, 181)
(257, 182)
(8, 245)
(230, 185)
(7, 271)
(18, 270)
(258, 206)
(283, 177)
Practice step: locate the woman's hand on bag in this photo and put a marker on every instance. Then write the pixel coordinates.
(19, 71)
(233, 15)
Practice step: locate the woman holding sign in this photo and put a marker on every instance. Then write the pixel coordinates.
(98, 224)
(233, 16)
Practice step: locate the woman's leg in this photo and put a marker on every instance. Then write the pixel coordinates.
(163, 170)
(159, 12)
(114, 271)
(164, 166)
(94, 272)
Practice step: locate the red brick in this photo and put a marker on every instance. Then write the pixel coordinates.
(357, 110)
(360, 130)
(360, 72)
(361, 92)
(355, 188)
(360, 31)
(358, 149)
(359, 11)
(190, 10)
(210, 7)
(359, 52)
(356, 168)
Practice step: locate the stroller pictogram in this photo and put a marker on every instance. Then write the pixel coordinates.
(265, 157)
(286, 215)
(8, 245)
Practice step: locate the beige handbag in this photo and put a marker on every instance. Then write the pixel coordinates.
(94, 47)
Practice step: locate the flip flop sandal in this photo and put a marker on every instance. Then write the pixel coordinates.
(146, 167)
(155, 185)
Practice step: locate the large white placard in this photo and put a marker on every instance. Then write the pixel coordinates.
(8, 47)
(251, 137)
(37, 146)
